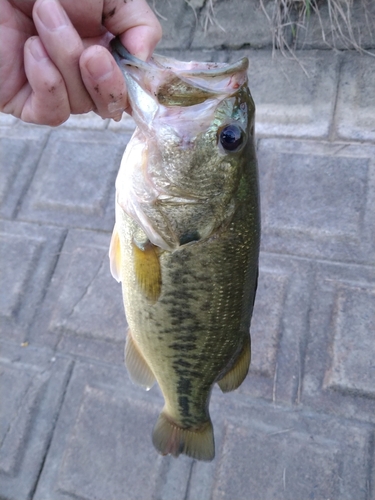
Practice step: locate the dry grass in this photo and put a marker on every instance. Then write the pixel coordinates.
(335, 17)
(337, 23)
(289, 19)
(209, 16)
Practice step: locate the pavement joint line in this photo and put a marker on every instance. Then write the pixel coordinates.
(26, 186)
(85, 291)
(303, 343)
(318, 260)
(52, 431)
(333, 120)
(370, 483)
(52, 270)
(188, 482)
(343, 142)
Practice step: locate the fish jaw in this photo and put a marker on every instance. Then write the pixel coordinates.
(167, 90)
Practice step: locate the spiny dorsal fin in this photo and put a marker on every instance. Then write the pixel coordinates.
(236, 375)
(115, 255)
(139, 371)
(147, 270)
(168, 437)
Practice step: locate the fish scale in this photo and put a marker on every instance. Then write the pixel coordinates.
(186, 242)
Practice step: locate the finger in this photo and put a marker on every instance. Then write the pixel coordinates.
(44, 100)
(104, 81)
(136, 23)
(64, 47)
(15, 28)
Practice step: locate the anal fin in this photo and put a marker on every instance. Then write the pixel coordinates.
(139, 371)
(236, 375)
(168, 437)
(147, 270)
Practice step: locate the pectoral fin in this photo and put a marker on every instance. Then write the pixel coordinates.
(236, 375)
(115, 255)
(147, 270)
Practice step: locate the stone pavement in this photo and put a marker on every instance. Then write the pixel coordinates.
(301, 427)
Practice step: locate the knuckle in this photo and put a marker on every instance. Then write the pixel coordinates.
(73, 53)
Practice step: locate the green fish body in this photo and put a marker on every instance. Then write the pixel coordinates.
(186, 239)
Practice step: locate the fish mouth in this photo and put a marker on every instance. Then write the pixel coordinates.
(198, 69)
(176, 83)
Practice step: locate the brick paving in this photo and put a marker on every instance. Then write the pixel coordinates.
(301, 427)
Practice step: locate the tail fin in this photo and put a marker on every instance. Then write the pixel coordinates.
(168, 437)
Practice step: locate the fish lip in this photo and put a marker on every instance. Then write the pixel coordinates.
(123, 57)
(225, 70)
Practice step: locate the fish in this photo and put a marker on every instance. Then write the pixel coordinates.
(185, 244)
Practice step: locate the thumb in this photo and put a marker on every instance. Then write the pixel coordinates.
(135, 23)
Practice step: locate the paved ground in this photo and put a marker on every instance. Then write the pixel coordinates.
(301, 426)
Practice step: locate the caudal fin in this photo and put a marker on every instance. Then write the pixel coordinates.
(168, 437)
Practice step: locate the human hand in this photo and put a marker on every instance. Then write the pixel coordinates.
(54, 59)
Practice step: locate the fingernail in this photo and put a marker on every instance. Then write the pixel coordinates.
(115, 108)
(52, 15)
(143, 55)
(37, 50)
(99, 67)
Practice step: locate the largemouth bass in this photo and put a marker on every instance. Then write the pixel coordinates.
(186, 238)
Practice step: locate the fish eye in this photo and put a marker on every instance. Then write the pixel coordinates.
(231, 137)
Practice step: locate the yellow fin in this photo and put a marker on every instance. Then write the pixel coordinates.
(139, 371)
(115, 255)
(168, 437)
(147, 270)
(236, 375)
